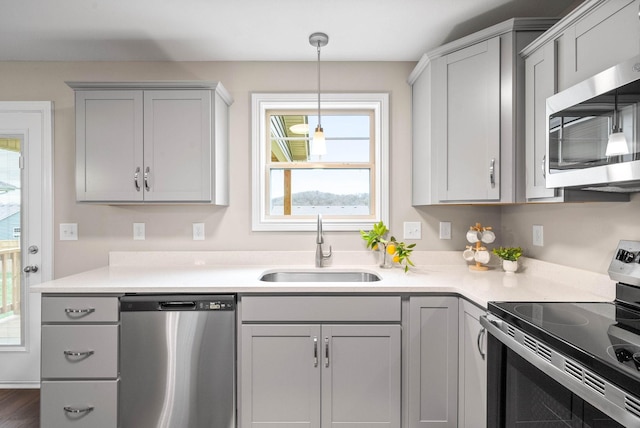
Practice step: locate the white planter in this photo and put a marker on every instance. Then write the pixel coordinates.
(510, 266)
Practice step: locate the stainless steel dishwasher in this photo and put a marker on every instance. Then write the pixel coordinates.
(177, 361)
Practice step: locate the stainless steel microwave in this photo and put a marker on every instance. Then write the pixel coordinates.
(592, 132)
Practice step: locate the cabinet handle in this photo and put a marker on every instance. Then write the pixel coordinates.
(481, 334)
(544, 164)
(73, 410)
(135, 179)
(78, 353)
(79, 311)
(147, 180)
(326, 352)
(315, 351)
(492, 172)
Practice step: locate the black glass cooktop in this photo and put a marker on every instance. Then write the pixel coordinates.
(603, 336)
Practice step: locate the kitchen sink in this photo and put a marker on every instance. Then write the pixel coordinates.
(319, 276)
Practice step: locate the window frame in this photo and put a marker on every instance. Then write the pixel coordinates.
(378, 103)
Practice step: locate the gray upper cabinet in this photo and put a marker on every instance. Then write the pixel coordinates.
(152, 142)
(468, 120)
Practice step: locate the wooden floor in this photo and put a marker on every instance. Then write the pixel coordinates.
(19, 408)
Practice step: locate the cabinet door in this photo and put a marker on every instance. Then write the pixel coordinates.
(472, 409)
(108, 145)
(280, 378)
(606, 36)
(467, 93)
(361, 376)
(433, 362)
(540, 74)
(177, 145)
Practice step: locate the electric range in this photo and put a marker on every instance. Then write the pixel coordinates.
(591, 349)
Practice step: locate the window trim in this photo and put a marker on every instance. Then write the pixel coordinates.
(261, 102)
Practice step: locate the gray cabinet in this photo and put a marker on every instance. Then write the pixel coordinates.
(468, 120)
(79, 362)
(433, 362)
(319, 374)
(472, 385)
(152, 142)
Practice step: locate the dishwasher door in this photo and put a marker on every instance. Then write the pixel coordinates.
(177, 361)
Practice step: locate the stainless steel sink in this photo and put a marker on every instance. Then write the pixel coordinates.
(319, 276)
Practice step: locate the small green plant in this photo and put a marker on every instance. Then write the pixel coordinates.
(508, 253)
(399, 250)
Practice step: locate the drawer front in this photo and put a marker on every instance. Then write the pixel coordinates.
(321, 308)
(88, 404)
(79, 351)
(79, 309)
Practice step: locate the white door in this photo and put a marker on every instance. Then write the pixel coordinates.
(26, 195)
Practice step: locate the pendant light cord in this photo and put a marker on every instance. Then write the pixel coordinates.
(319, 120)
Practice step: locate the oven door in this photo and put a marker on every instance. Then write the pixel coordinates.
(521, 394)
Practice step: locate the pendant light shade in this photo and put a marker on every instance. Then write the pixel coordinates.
(617, 144)
(319, 144)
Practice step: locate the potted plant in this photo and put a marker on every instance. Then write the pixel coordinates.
(509, 256)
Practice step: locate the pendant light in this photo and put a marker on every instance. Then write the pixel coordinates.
(319, 145)
(617, 144)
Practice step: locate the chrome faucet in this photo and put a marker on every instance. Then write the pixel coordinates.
(320, 255)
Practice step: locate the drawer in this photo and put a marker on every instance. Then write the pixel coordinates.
(79, 309)
(67, 404)
(321, 308)
(79, 351)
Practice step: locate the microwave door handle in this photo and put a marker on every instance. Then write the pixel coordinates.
(544, 166)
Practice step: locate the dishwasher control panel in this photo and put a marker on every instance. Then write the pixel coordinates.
(215, 306)
(177, 302)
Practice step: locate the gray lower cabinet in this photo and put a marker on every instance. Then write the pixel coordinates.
(79, 363)
(316, 374)
(433, 362)
(472, 397)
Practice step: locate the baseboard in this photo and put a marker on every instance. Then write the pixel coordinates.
(21, 385)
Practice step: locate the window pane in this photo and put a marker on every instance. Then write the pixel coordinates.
(322, 191)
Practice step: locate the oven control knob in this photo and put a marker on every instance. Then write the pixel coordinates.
(621, 255)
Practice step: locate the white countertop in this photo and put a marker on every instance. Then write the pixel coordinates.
(230, 272)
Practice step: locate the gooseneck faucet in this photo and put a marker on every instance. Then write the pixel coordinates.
(320, 254)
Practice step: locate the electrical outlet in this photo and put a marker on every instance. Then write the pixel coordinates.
(538, 235)
(138, 231)
(412, 230)
(445, 230)
(198, 231)
(68, 231)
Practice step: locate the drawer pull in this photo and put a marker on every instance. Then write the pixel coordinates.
(79, 311)
(75, 411)
(79, 353)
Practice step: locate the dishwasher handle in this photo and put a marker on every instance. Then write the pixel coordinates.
(173, 305)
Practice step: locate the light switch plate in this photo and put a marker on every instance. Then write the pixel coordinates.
(538, 235)
(445, 230)
(198, 231)
(138, 232)
(412, 230)
(68, 231)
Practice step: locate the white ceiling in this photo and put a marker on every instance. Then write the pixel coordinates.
(244, 30)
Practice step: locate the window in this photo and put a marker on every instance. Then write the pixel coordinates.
(348, 184)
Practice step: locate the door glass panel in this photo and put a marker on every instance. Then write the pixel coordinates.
(11, 293)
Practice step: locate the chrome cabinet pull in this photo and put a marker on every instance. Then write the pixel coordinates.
(481, 334)
(78, 353)
(135, 179)
(492, 172)
(544, 164)
(79, 311)
(326, 352)
(31, 269)
(315, 351)
(147, 173)
(74, 410)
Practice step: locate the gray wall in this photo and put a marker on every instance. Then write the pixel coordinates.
(575, 235)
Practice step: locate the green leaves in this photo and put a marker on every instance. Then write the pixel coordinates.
(508, 253)
(398, 249)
